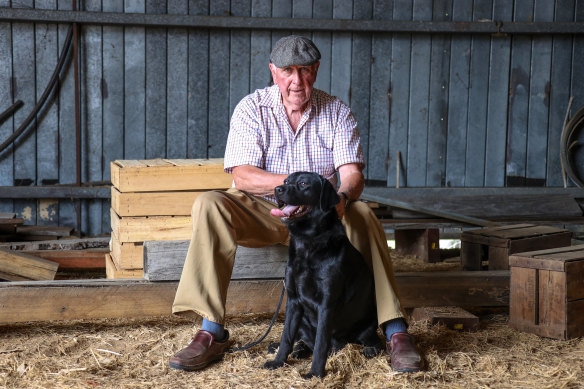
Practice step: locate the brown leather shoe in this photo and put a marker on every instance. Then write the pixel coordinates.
(202, 350)
(404, 355)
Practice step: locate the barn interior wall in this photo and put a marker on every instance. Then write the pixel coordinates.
(435, 110)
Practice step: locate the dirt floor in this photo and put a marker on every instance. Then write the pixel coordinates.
(134, 354)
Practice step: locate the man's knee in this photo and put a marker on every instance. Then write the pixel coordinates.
(206, 201)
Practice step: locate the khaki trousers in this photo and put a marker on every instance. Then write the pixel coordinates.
(222, 220)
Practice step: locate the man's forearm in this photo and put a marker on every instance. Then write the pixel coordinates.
(352, 181)
(256, 181)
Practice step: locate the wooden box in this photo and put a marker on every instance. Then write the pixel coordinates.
(547, 292)
(495, 244)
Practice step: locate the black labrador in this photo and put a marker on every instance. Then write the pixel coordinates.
(330, 289)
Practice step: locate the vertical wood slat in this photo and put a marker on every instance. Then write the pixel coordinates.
(156, 89)
(518, 111)
(497, 100)
(324, 39)
(176, 95)
(6, 128)
(559, 92)
(577, 88)
(338, 66)
(399, 97)
(438, 99)
(23, 65)
(260, 47)
(458, 96)
(134, 55)
(419, 99)
(240, 58)
(379, 111)
(198, 86)
(478, 94)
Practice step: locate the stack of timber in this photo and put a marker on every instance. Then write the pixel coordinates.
(151, 201)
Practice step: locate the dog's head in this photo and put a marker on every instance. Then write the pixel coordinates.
(303, 193)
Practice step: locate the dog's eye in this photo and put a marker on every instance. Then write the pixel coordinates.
(302, 183)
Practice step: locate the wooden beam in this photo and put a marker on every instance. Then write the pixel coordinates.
(74, 259)
(92, 299)
(15, 266)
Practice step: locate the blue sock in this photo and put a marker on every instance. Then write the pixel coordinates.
(393, 326)
(214, 328)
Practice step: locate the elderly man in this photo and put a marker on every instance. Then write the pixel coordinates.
(275, 131)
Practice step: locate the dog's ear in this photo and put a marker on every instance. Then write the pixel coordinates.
(328, 196)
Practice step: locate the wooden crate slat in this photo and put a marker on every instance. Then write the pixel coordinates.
(141, 229)
(175, 203)
(169, 177)
(155, 162)
(127, 255)
(112, 271)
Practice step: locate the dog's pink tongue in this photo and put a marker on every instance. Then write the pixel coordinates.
(284, 212)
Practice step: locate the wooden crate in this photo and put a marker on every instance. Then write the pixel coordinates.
(112, 271)
(547, 292)
(495, 244)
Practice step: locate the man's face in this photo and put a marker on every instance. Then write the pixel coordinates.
(295, 83)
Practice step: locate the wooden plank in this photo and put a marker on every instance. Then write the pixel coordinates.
(518, 111)
(380, 96)
(361, 78)
(156, 70)
(575, 320)
(551, 259)
(454, 318)
(541, 242)
(323, 9)
(458, 97)
(478, 94)
(141, 229)
(339, 80)
(62, 244)
(113, 271)
(239, 48)
(522, 302)
(219, 59)
(73, 259)
(438, 97)
(399, 97)
(177, 85)
(6, 97)
(92, 299)
(177, 203)
(539, 98)
(559, 95)
(575, 279)
(164, 260)
(24, 88)
(47, 163)
(498, 99)
(134, 85)
(421, 49)
(552, 309)
(198, 86)
(15, 266)
(422, 243)
(167, 178)
(66, 163)
(44, 231)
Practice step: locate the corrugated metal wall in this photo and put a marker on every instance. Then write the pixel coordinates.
(461, 110)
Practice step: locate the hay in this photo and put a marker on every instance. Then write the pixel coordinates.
(135, 353)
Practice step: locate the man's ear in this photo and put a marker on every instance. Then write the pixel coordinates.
(328, 196)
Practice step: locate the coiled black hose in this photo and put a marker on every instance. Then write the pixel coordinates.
(569, 144)
(64, 56)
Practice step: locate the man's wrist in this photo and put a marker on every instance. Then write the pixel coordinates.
(346, 197)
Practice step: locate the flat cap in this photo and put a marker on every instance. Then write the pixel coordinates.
(294, 50)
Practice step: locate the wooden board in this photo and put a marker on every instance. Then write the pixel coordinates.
(164, 260)
(157, 175)
(141, 229)
(16, 266)
(175, 203)
(113, 271)
(92, 299)
(454, 318)
(73, 259)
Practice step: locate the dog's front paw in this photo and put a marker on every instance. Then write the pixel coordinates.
(371, 351)
(272, 365)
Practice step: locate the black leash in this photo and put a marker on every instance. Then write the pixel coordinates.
(250, 345)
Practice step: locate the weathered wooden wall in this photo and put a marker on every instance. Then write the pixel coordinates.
(462, 110)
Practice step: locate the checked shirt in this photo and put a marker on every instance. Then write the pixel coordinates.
(260, 135)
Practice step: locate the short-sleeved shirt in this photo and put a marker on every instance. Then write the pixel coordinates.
(260, 135)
